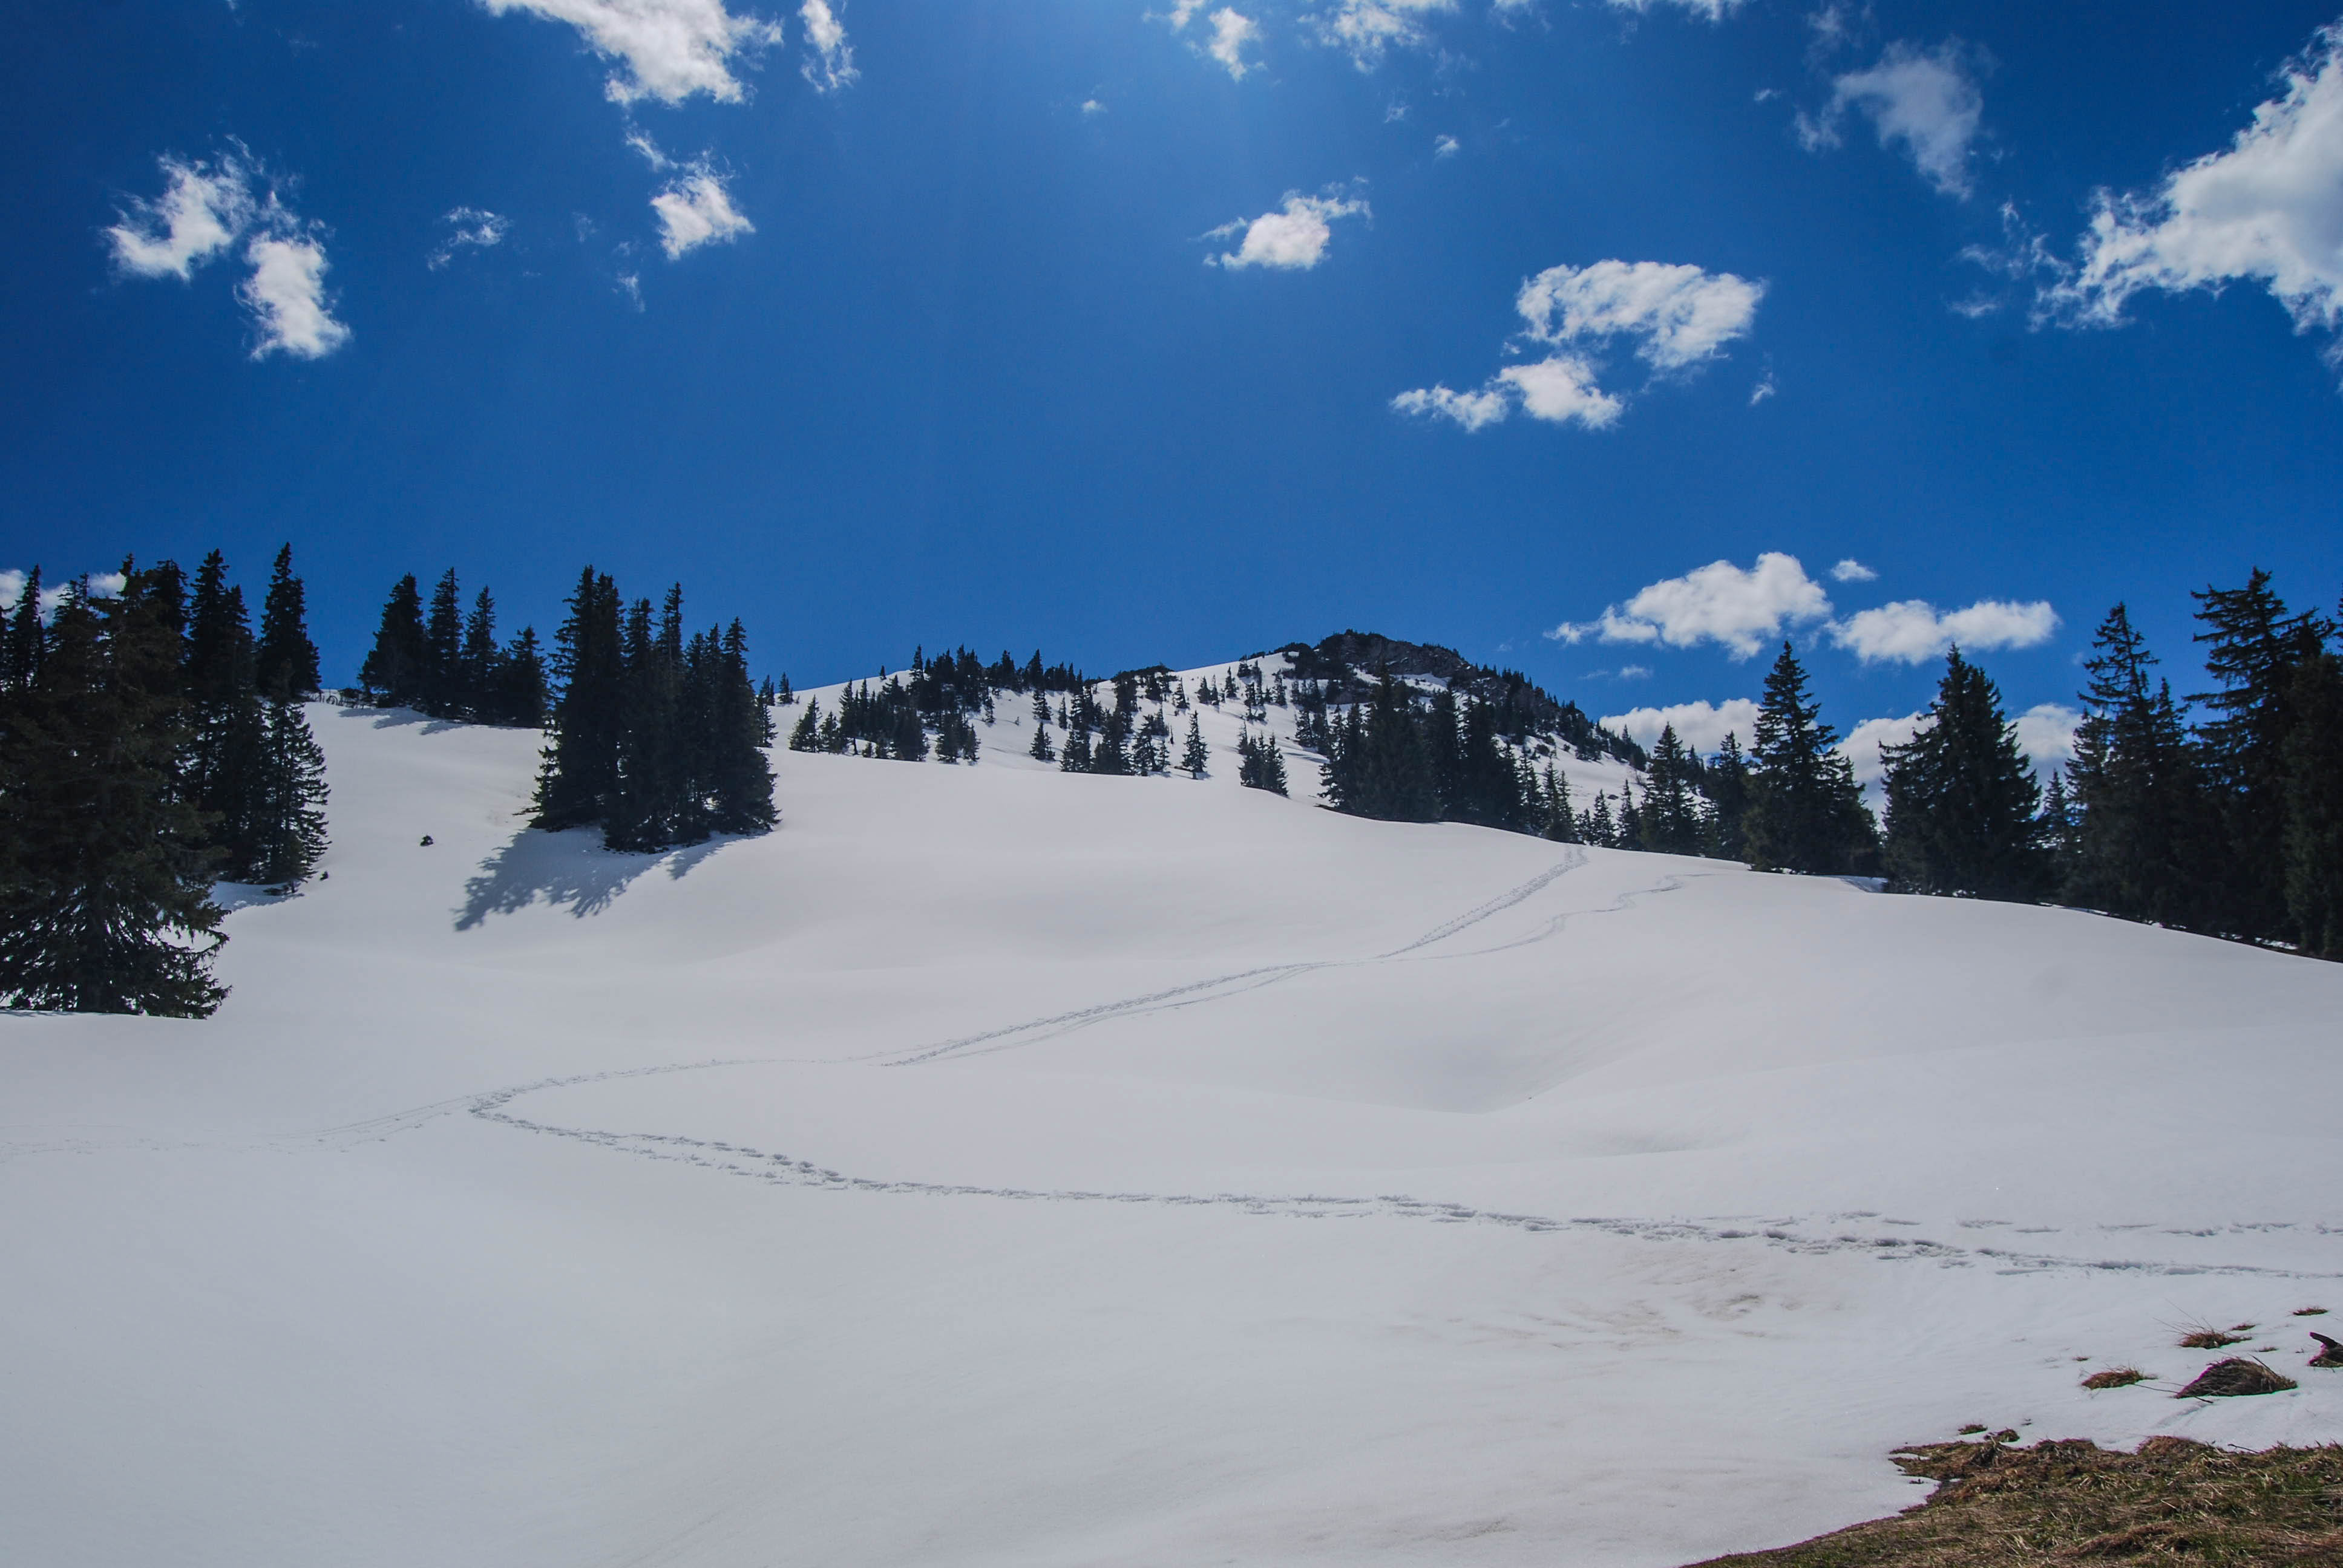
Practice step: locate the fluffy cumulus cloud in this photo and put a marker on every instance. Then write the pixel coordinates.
(696, 210)
(2046, 733)
(665, 49)
(2267, 209)
(1676, 316)
(1294, 237)
(829, 59)
(1739, 609)
(1702, 725)
(469, 228)
(1851, 571)
(98, 585)
(1913, 631)
(1365, 29)
(1925, 100)
(1861, 746)
(205, 211)
(286, 292)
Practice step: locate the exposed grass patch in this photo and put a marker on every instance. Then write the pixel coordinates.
(2115, 1377)
(2206, 1337)
(2236, 1378)
(2057, 1502)
(2310, 1311)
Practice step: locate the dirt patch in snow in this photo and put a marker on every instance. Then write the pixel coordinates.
(2174, 1501)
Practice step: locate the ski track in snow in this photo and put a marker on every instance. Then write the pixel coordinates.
(784, 1170)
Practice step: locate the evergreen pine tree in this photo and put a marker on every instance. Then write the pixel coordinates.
(1629, 832)
(807, 736)
(1195, 758)
(286, 659)
(521, 697)
(479, 665)
(2141, 843)
(443, 651)
(580, 777)
(227, 729)
(20, 658)
(1561, 824)
(1961, 798)
(2061, 831)
(1074, 756)
(1728, 793)
(288, 818)
(393, 673)
(104, 879)
(1805, 812)
(1599, 828)
(2254, 649)
(1039, 749)
(1671, 820)
(2314, 801)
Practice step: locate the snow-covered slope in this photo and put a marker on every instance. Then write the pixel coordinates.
(995, 1166)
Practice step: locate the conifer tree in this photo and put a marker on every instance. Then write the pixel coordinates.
(1805, 812)
(1670, 820)
(1195, 758)
(580, 777)
(2314, 815)
(1074, 756)
(104, 879)
(227, 729)
(288, 815)
(1040, 749)
(2061, 831)
(393, 673)
(2142, 840)
(479, 665)
(1599, 828)
(20, 658)
(1559, 824)
(807, 736)
(443, 651)
(1961, 798)
(1728, 795)
(285, 659)
(521, 689)
(1628, 833)
(2254, 649)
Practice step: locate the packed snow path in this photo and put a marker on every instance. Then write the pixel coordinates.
(896, 1188)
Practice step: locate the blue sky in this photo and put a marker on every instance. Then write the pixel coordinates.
(962, 328)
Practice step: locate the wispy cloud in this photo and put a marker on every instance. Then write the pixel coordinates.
(1925, 100)
(1365, 29)
(205, 210)
(829, 59)
(696, 210)
(469, 227)
(1913, 631)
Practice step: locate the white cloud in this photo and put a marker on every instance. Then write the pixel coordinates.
(1092, 106)
(1926, 100)
(1444, 147)
(202, 210)
(2269, 209)
(1739, 609)
(671, 49)
(100, 584)
(1364, 29)
(1861, 746)
(1294, 236)
(1470, 409)
(1851, 571)
(1912, 631)
(1702, 725)
(831, 64)
(2046, 733)
(1559, 389)
(470, 226)
(1682, 314)
(1231, 34)
(1763, 390)
(696, 210)
(1677, 316)
(1713, 10)
(286, 296)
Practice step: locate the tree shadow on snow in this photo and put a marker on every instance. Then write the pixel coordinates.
(399, 717)
(567, 869)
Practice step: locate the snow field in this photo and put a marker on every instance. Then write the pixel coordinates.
(989, 1167)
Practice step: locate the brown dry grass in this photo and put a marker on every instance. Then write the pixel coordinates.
(2115, 1377)
(2063, 1502)
(2205, 1337)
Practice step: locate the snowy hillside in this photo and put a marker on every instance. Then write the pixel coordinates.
(996, 1166)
